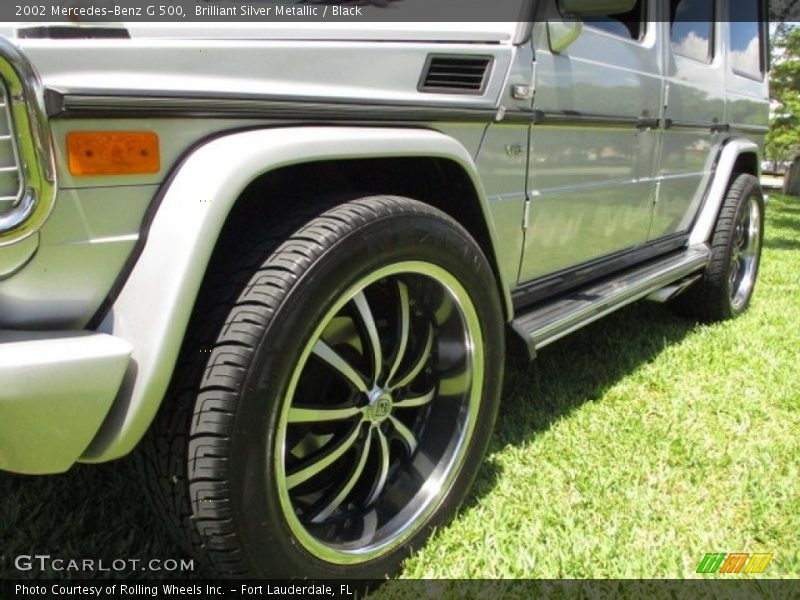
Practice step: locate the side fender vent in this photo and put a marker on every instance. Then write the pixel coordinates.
(455, 74)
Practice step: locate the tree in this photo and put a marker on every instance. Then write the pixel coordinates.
(783, 139)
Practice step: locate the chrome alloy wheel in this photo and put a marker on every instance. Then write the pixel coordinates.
(745, 253)
(379, 412)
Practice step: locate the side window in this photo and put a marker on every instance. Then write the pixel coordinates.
(627, 25)
(746, 42)
(692, 28)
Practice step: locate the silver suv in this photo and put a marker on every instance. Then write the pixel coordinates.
(283, 263)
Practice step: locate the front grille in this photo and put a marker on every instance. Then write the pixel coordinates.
(27, 162)
(11, 181)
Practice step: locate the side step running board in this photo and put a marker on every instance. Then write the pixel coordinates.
(550, 321)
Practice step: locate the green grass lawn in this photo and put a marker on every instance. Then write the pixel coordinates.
(628, 450)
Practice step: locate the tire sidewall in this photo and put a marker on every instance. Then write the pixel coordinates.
(750, 189)
(268, 542)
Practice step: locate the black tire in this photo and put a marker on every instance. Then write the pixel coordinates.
(727, 285)
(222, 459)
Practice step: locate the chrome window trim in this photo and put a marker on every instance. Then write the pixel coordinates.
(32, 137)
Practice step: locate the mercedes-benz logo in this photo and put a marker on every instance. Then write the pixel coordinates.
(383, 407)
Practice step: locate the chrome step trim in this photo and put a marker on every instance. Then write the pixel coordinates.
(551, 321)
(667, 293)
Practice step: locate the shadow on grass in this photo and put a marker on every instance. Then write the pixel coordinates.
(574, 371)
(95, 512)
(100, 512)
(781, 243)
(788, 222)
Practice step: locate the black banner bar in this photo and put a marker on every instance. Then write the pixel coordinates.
(735, 588)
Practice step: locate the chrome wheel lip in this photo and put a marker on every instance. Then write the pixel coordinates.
(435, 488)
(745, 254)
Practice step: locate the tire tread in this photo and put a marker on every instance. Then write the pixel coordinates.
(184, 457)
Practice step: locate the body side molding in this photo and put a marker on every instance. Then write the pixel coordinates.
(184, 232)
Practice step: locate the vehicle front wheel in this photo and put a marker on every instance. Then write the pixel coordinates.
(725, 290)
(344, 402)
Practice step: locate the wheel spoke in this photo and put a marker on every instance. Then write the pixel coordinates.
(299, 414)
(360, 300)
(348, 486)
(734, 271)
(327, 354)
(370, 525)
(741, 227)
(416, 401)
(320, 463)
(404, 434)
(416, 369)
(381, 481)
(402, 340)
(752, 239)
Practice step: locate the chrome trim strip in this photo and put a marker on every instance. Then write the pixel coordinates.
(589, 273)
(575, 118)
(753, 129)
(556, 320)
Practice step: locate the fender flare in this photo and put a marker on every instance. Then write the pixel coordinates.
(707, 217)
(153, 308)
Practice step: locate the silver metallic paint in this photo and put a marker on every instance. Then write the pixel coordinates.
(55, 390)
(81, 250)
(591, 186)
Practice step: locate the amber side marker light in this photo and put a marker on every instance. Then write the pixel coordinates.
(113, 152)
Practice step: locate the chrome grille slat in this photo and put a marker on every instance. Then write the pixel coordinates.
(11, 176)
(27, 161)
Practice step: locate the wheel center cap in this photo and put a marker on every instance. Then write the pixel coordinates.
(379, 407)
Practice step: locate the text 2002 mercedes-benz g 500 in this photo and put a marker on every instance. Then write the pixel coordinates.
(283, 262)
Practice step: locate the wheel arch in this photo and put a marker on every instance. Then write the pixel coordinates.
(445, 182)
(194, 208)
(738, 155)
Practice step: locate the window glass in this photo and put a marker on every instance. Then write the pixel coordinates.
(746, 46)
(627, 25)
(692, 28)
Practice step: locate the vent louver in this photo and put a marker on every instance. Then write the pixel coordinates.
(448, 74)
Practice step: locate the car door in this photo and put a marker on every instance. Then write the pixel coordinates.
(695, 112)
(593, 144)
